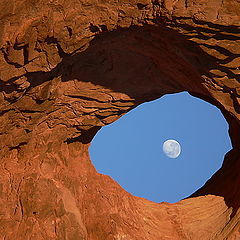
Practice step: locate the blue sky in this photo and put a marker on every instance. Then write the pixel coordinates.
(130, 149)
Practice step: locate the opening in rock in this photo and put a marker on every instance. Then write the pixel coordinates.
(130, 149)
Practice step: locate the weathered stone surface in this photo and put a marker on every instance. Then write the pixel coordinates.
(67, 68)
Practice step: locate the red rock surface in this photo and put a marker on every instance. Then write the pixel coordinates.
(69, 67)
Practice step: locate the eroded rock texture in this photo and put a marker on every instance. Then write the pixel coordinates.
(68, 68)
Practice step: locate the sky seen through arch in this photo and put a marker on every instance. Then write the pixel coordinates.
(130, 149)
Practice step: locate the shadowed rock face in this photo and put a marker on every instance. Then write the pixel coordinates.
(68, 68)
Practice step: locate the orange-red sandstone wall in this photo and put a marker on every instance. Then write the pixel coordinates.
(68, 68)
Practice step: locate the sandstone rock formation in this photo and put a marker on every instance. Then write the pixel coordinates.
(68, 68)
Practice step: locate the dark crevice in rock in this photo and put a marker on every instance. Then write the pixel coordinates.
(223, 28)
(216, 27)
(94, 28)
(230, 56)
(18, 146)
(26, 54)
(39, 101)
(141, 6)
(85, 98)
(30, 111)
(28, 130)
(70, 31)
(85, 137)
(219, 31)
(6, 57)
(5, 111)
(53, 40)
(156, 2)
(103, 28)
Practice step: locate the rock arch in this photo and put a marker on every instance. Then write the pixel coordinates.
(68, 69)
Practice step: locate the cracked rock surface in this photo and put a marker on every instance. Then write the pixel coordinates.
(70, 67)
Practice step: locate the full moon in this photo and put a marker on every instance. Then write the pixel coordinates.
(171, 148)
